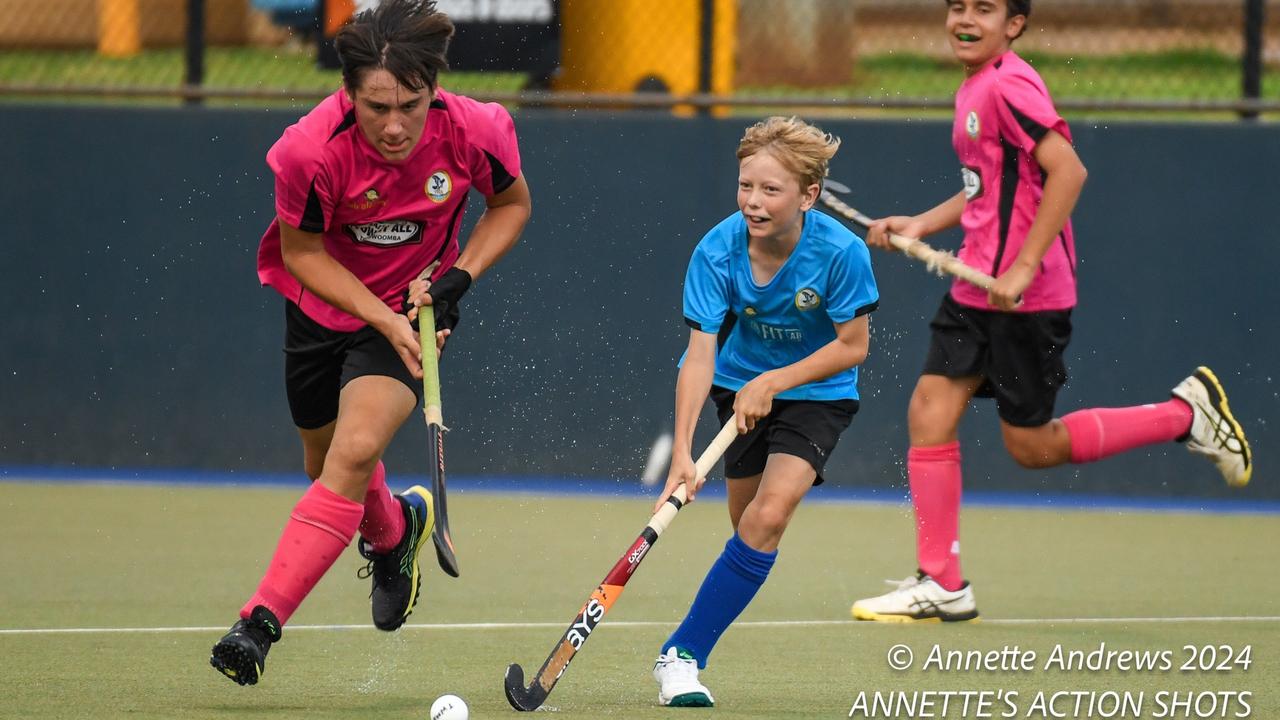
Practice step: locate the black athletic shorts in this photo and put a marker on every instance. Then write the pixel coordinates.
(1018, 354)
(808, 429)
(319, 362)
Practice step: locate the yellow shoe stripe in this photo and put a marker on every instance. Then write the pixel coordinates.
(1226, 412)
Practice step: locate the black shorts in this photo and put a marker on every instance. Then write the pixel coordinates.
(1019, 355)
(319, 362)
(808, 429)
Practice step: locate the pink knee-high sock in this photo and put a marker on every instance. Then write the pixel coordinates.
(319, 529)
(934, 476)
(383, 522)
(1097, 433)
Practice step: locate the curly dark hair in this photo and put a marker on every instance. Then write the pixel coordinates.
(407, 38)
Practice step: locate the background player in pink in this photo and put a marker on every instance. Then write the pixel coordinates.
(1021, 180)
(370, 190)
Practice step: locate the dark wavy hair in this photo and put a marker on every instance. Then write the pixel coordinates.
(407, 38)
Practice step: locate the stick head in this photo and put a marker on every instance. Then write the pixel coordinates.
(835, 187)
(444, 552)
(524, 699)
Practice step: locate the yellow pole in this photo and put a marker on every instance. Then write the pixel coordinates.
(119, 28)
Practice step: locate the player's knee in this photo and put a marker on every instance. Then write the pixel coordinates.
(928, 420)
(768, 518)
(313, 466)
(357, 451)
(1029, 455)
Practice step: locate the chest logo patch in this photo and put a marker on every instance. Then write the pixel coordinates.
(439, 186)
(750, 311)
(971, 125)
(386, 233)
(367, 200)
(807, 299)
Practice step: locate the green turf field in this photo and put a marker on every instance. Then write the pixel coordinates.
(166, 569)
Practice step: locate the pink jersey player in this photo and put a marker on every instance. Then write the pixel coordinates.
(371, 186)
(1022, 178)
(1002, 112)
(384, 220)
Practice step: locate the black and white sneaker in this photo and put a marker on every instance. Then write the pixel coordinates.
(918, 599)
(241, 654)
(1215, 433)
(396, 578)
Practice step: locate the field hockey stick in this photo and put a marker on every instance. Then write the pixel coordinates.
(607, 593)
(939, 261)
(435, 439)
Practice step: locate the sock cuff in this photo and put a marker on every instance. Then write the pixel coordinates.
(747, 561)
(325, 509)
(378, 478)
(935, 453)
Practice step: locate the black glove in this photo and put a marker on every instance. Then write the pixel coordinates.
(445, 294)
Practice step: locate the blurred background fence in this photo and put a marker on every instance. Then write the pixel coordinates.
(1135, 55)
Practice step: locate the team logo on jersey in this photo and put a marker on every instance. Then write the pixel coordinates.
(438, 187)
(972, 182)
(749, 312)
(807, 299)
(367, 200)
(386, 233)
(971, 124)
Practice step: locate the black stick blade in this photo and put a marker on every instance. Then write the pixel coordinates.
(444, 553)
(524, 699)
(440, 536)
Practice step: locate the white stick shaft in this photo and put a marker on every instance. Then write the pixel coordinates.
(949, 263)
(914, 247)
(703, 465)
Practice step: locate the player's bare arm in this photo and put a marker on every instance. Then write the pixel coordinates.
(936, 219)
(496, 232)
(497, 229)
(692, 385)
(1065, 176)
(307, 260)
(849, 348)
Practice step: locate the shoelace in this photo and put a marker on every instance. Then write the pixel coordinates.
(381, 565)
(682, 669)
(903, 584)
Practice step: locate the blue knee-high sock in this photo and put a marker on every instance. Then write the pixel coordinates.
(726, 591)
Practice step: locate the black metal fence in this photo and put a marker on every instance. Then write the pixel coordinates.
(1186, 56)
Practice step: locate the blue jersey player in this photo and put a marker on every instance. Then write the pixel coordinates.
(777, 296)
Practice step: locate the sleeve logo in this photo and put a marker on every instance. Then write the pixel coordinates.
(971, 125)
(439, 186)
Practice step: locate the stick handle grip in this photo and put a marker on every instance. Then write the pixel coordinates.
(430, 366)
(949, 263)
(703, 465)
(913, 247)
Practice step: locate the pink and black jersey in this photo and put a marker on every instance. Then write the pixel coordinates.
(1002, 112)
(383, 220)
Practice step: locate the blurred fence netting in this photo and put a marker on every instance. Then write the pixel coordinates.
(1182, 55)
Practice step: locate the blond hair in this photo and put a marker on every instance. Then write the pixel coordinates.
(801, 148)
